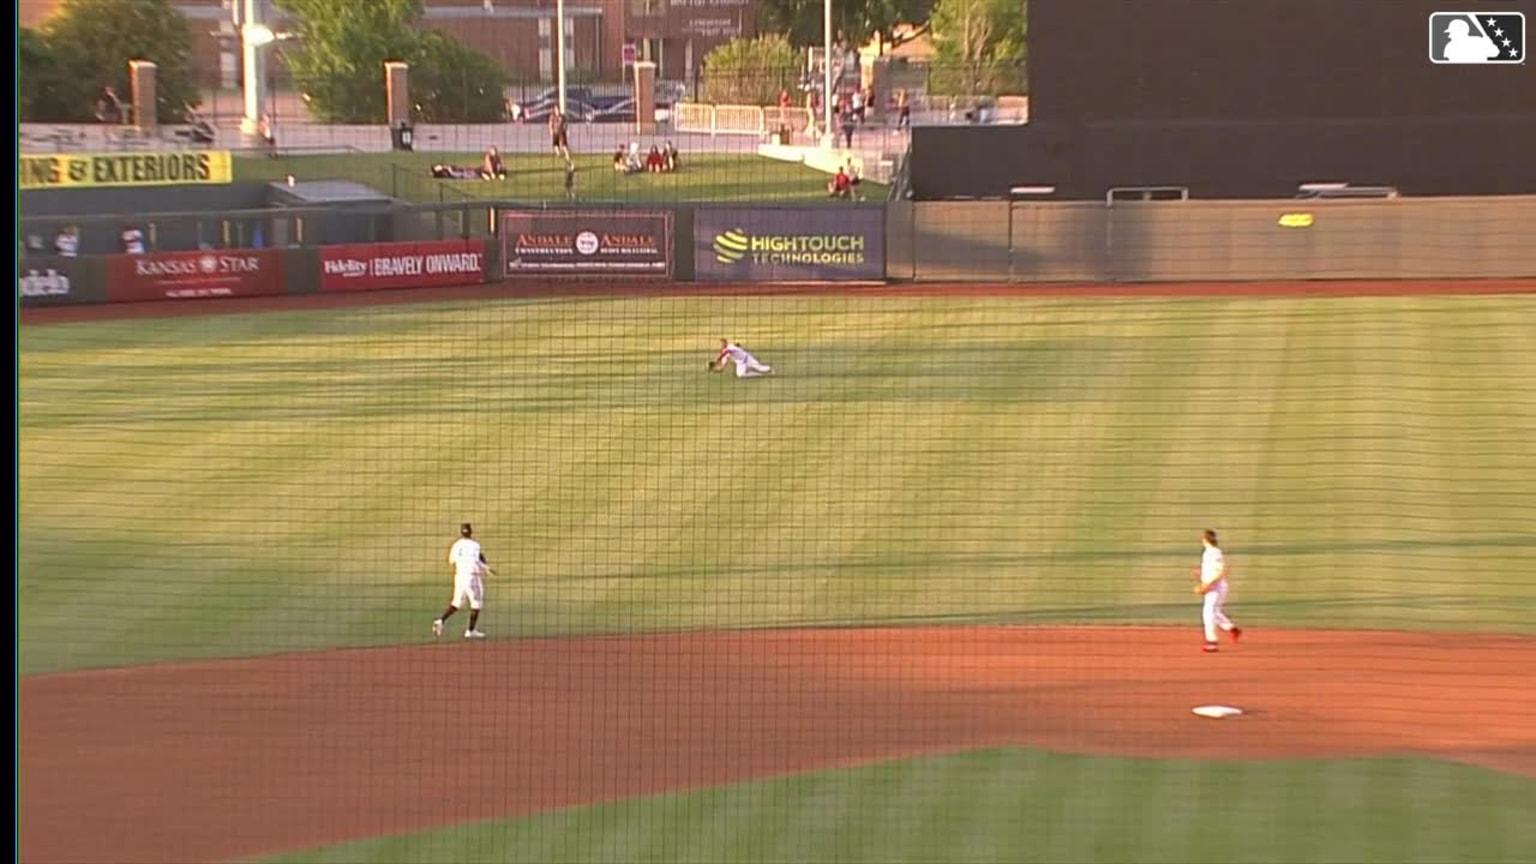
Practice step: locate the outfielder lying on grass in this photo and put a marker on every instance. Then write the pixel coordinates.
(747, 366)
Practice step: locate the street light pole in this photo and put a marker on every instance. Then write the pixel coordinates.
(826, 73)
(560, 51)
(253, 66)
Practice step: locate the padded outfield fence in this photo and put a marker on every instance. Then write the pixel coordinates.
(304, 250)
(921, 594)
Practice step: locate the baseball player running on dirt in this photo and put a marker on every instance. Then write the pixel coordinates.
(747, 366)
(469, 569)
(1211, 577)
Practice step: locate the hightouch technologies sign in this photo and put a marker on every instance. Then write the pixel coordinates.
(791, 244)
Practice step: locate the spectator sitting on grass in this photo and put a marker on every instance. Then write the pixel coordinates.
(841, 184)
(671, 154)
(491, 167)
(654, 161)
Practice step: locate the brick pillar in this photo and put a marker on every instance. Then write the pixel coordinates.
(397, 86)
(141, 85)
(645, 97)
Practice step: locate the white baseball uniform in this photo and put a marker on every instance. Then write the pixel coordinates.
(468, 574)
(1213, 572)
(747, 366)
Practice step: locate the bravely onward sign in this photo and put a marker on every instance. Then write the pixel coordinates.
(98, 170)
(368, 266)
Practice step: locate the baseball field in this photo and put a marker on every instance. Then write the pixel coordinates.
(923, 595)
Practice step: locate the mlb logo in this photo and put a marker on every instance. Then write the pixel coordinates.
(1476, 37)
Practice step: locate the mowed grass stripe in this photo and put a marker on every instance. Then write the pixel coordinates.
(916, 460)
(1368, 466)
(1475, 489)
(538, 178)
(1150, 423)
(1025, 806)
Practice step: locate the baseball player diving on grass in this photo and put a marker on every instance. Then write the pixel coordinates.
(747, 366)
(1211, 585)
(469, 569)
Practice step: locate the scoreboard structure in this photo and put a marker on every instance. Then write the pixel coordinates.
(1251, 98)
(1264, 60)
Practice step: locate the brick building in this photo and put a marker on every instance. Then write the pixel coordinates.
(517, 34)
(676, 34)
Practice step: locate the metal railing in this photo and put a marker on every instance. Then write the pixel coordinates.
(1145, 193)
(738, 119)
(1344, 190)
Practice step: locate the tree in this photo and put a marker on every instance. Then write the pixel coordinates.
(855, 21)
(750, 71)
(344, 44)
(979, 46)
(453, 83)
(338, 62)
(38, 70)
(86, 45)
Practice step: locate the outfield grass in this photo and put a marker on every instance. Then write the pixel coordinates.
(1023, 806)
(232, 485)
(538, 178)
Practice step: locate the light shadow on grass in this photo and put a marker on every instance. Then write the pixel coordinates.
(1024, 806)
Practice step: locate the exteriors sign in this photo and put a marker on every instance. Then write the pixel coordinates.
(367, 267)
(88, 170)
(793, 244)
(191, 275)
(616, 243)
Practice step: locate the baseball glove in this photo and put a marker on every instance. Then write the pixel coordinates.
(1199, 589)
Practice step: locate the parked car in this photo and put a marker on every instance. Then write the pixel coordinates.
(603, 109)
(573, 96)
(538, 112)
(669, 93)
(622, 111)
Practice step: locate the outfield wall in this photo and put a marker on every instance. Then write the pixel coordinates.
(953, 241)
(1181, 241)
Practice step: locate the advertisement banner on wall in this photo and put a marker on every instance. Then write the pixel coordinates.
(195, 275)
(48, 280)
(610, 244)
(101, 170)
(375, 266)
(790, 244)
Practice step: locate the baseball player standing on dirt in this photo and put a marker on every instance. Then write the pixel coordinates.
(1212, 578)
(469, 569)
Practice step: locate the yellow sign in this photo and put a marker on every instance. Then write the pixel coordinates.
(98, 170)
(1296, 220)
